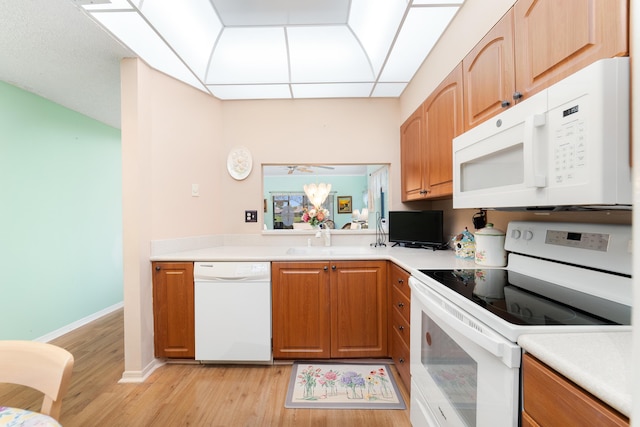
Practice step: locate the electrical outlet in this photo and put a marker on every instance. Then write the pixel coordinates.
(250, 216)
(195, 190)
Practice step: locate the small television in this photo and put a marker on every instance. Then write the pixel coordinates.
(417, 229)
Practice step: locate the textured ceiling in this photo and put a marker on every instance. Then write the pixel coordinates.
(52, 49)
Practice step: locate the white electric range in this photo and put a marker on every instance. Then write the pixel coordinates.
(561, 277)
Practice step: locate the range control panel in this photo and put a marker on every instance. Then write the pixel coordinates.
(599, 246)
(572, 239)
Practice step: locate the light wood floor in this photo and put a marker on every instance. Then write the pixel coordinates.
(179, 394)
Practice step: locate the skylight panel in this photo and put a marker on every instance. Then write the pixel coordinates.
(172, 18)
(326, 54)
(249, 55)
(134, 32)
(420, 31)
(250, 91)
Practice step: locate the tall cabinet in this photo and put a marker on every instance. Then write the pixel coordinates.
(426, 142)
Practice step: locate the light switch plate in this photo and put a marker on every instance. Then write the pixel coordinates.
(250, 216)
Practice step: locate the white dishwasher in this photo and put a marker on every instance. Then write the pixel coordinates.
(233, 311)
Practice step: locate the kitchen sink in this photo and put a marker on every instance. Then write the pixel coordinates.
(328, 250)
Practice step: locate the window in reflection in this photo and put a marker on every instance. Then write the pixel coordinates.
(287, 210)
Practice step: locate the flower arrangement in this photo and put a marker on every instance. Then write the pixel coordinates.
(315, 216)
(354, 382)
(378, 379)
(328, 382)
(307, 378)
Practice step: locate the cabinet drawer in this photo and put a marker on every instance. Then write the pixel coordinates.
(399, 279)
(400, 325)
(552, 400)
(401, 303)
(400, 355)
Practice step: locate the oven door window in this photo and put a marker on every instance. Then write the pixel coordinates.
(453, 370)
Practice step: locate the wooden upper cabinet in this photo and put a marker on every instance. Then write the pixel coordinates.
(443, 115)
(536, 44)
(411, 145)
(426, 141)
(489, 74)
(173, 310)
(554, 39)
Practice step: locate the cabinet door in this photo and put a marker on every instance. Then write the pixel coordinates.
(300, 318)
(554, 39)
(411, 157)
(358, 309)
(550, 400)
(489, 76)
(173, 314)
(443, 113)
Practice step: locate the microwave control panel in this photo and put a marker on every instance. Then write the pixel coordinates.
(569, 144)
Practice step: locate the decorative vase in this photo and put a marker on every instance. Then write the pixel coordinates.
(308, 391)
(356, 393)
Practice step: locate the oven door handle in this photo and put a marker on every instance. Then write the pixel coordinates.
(508, 352)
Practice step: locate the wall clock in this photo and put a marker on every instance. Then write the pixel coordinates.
(239, 163)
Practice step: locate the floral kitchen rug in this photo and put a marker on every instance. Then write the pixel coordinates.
(342, 386)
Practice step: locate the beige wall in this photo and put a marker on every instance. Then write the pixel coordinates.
(303, 131)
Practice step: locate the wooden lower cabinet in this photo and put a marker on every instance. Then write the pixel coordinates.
(328, 309)
(551, 400)
(400, 321)
(173, 310)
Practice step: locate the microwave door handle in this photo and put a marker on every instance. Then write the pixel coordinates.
(533, 151)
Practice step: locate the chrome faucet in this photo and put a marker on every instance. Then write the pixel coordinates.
(324, 232)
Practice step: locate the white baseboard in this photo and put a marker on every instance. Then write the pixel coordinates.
(141, 376)
(78, 323)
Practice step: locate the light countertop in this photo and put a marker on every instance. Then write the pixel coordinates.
(407, 258)
(597, 362)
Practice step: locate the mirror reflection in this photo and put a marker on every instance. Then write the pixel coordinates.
(357, 199)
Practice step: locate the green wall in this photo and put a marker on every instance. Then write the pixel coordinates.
(60, 216)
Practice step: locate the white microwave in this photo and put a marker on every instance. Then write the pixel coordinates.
(565, 147)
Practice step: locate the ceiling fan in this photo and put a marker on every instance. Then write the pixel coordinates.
(305, 168)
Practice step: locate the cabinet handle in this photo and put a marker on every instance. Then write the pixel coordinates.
(401, 281)
(505, 104)
(401, 328)
(333, 267)
(326, 268)
(423, 192)
(517, 95)
(401, 360)
(400, 304)
(158, 268)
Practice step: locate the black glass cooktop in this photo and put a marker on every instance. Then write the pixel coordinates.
(524, 300)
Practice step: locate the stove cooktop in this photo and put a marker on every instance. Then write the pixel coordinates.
(523, 300)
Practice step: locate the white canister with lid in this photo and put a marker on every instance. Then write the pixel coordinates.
(490, 247)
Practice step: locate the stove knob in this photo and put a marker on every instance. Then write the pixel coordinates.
(528, 235)
(515, 234)
(527, 313)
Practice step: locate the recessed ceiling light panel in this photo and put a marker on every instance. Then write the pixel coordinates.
(249, 55)
(326, 55)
